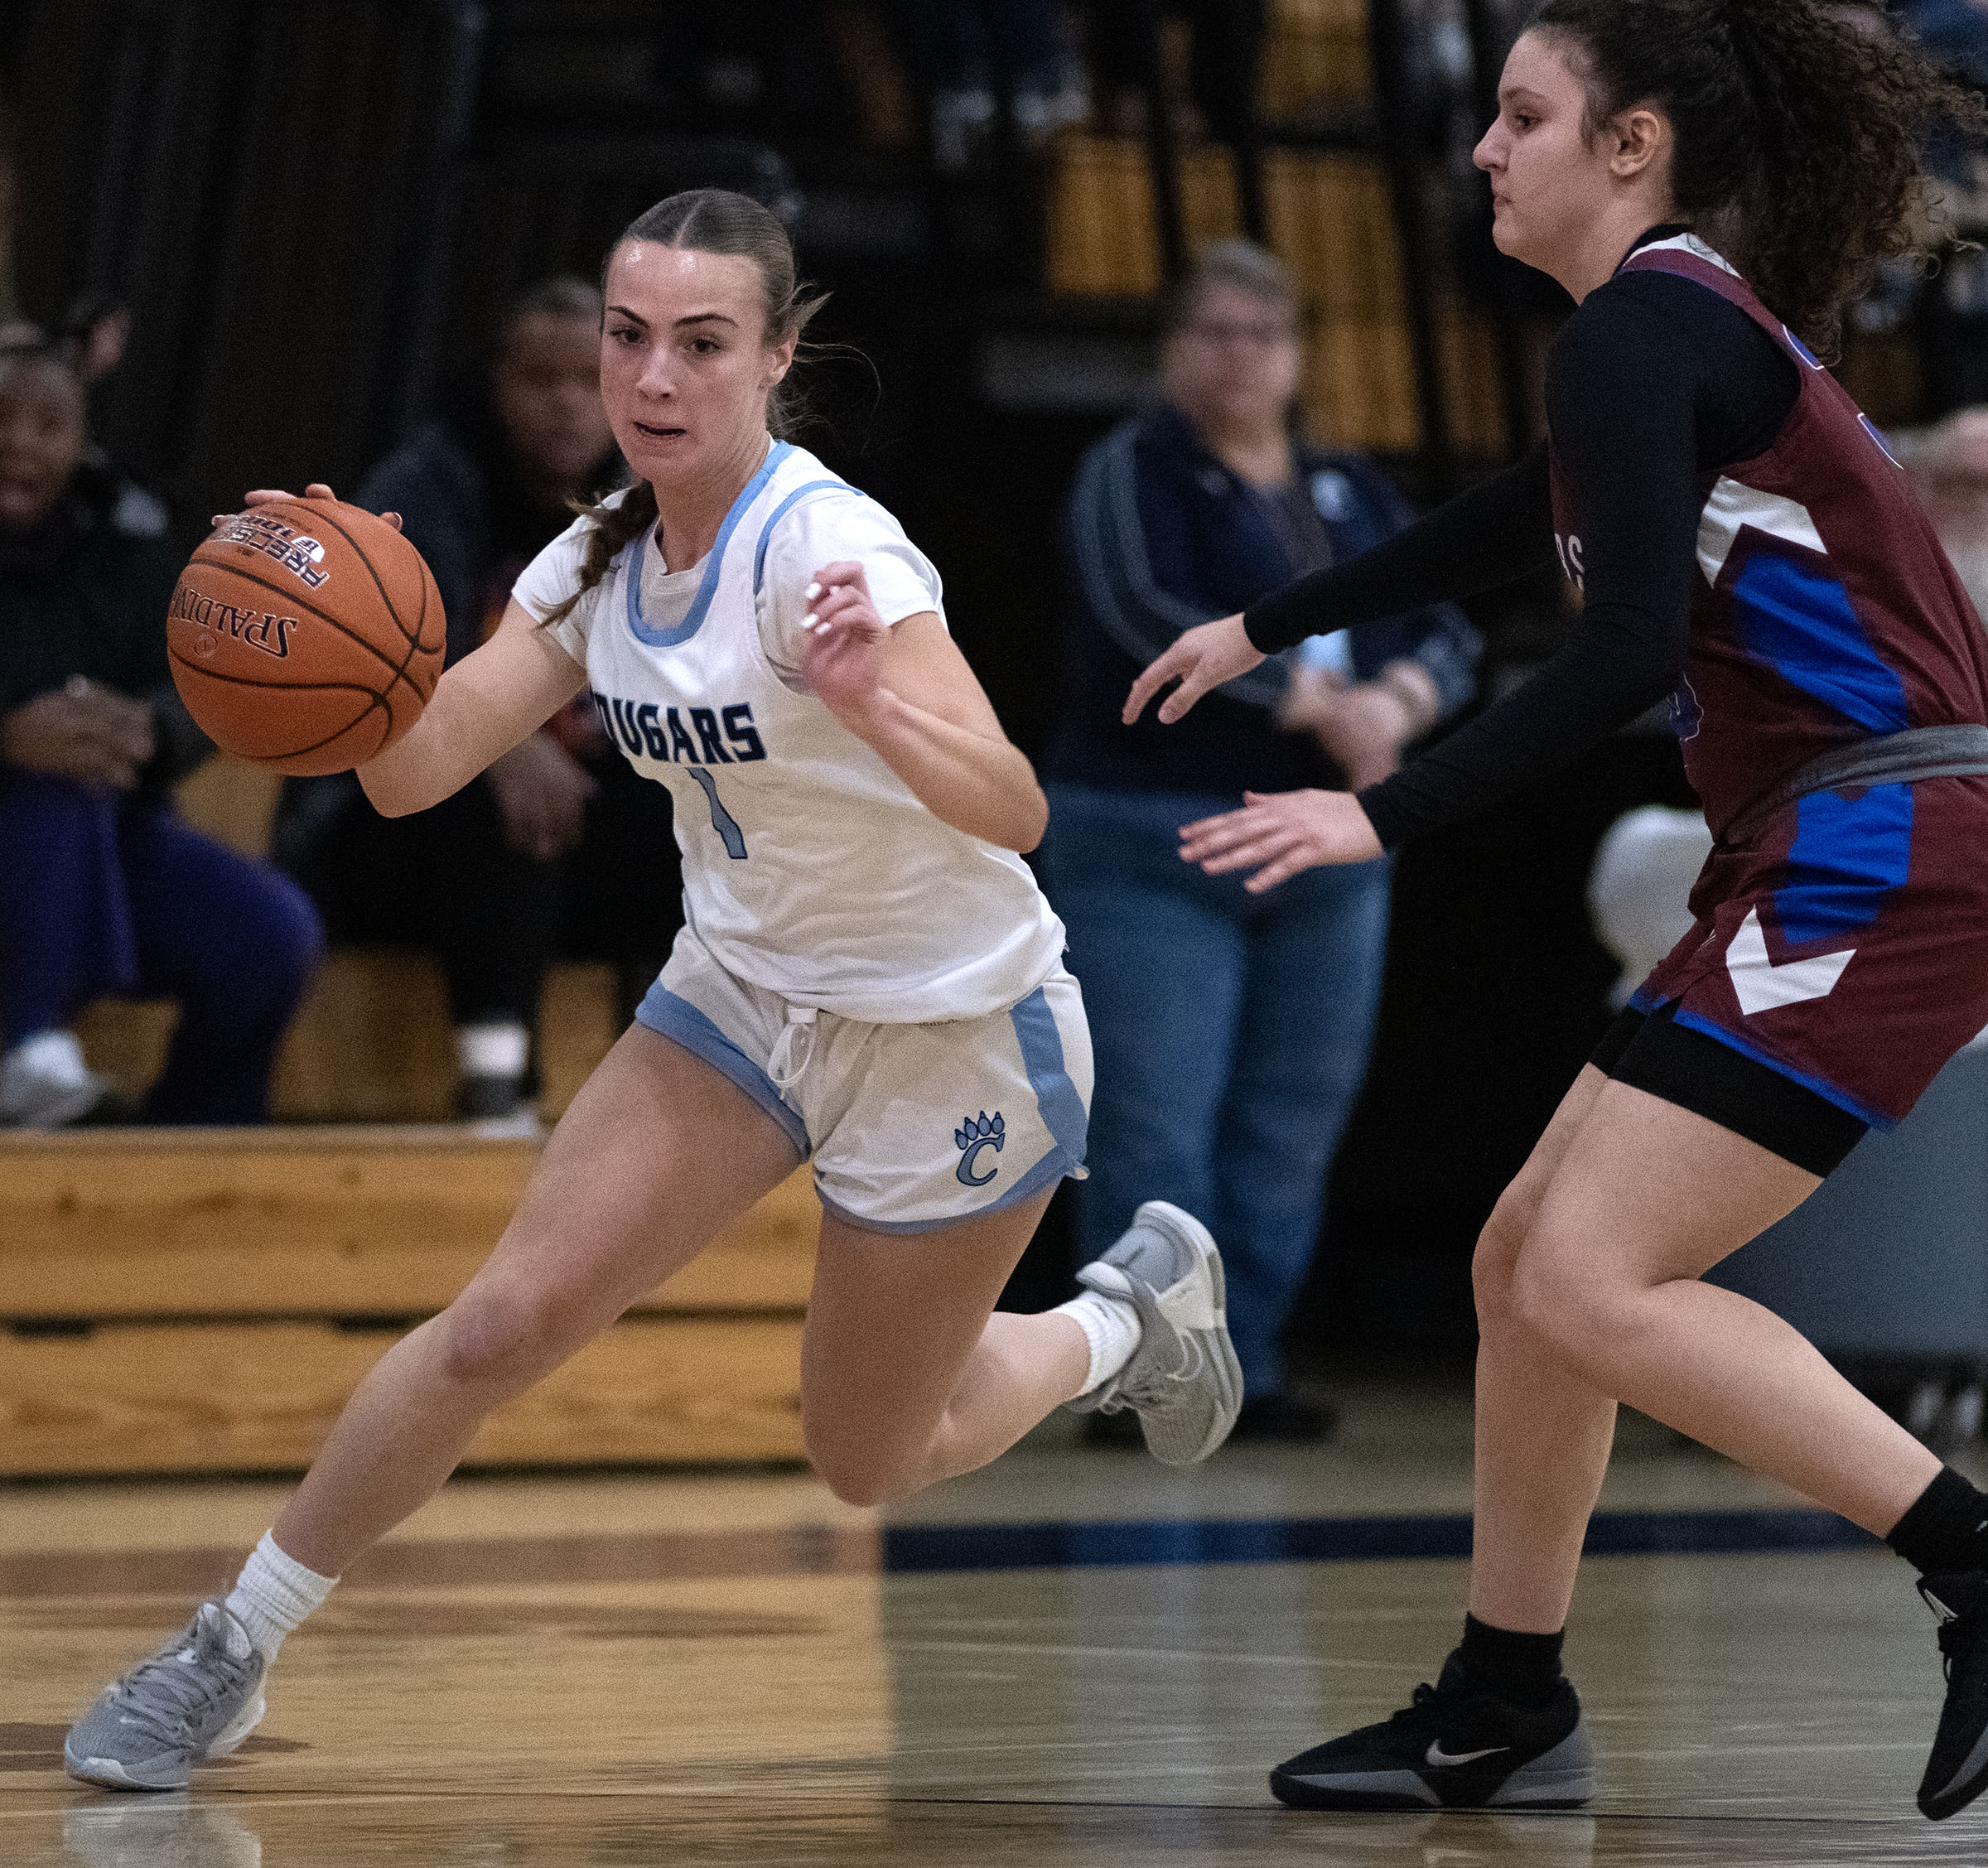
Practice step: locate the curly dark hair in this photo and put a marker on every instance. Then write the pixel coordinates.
(1800, 134)
(704, 220)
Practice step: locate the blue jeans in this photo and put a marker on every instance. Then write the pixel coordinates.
(1230, 1034)
(105, 892)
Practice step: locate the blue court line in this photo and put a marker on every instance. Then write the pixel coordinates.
(916, 1549)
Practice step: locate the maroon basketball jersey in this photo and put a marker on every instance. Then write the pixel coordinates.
(1844, 941)
(1825, 611)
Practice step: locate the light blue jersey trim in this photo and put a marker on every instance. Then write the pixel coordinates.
(680, 1021)
(707, 585)
(780, 512)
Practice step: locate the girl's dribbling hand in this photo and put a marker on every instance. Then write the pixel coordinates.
(262, 496)
(1202, 658)
(842, 641)
(1278, 833)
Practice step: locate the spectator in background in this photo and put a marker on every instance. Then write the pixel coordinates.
(1231, 1101)
(103, 890)
(558, 842)
(1948, 463)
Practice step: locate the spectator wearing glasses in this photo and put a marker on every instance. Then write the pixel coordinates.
(1230, 1102)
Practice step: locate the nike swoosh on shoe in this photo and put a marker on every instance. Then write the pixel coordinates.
(1438, 1758)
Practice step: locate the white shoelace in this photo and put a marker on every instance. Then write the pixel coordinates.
(165, 1695)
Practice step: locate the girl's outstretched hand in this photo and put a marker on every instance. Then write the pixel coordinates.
(1278, 833)
(1202, 658)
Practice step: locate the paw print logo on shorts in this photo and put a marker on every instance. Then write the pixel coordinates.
(980, 1132)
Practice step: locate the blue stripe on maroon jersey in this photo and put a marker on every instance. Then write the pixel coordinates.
(1848, 855)
(1802, 624)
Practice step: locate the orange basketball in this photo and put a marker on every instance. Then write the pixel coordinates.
(306, 635)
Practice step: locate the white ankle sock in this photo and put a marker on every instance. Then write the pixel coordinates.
(1110, 1326)
(273, 1594)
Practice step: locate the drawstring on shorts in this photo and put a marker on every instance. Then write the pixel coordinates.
(794, 1050)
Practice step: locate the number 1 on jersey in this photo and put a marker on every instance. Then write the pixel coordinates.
(721, 820)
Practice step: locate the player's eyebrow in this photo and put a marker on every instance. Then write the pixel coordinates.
(633, 317)
(706, 317)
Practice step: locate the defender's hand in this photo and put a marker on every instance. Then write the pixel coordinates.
(1278, 833)
(1202, 658)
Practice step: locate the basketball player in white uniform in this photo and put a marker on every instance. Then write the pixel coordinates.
(868, 977)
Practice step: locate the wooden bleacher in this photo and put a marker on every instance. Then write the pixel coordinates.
(186, 1301)
(1330, 220)
(204, 1300)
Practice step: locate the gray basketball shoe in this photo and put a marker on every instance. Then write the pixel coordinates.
(1184, 1381)
(197, 1698)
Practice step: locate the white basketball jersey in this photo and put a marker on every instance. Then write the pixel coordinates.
(810, 868)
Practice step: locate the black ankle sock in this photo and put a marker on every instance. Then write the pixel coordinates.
(1523, 1668)
(1945, 1528)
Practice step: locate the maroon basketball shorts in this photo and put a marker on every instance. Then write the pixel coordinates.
(1833, 968)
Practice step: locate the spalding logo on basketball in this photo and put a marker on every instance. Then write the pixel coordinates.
(306, 635)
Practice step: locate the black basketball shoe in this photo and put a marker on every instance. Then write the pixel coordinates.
(1454, 1747)
(1957, 1771)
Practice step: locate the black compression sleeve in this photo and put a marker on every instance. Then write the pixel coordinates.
(1623, 395)
(1499, 532)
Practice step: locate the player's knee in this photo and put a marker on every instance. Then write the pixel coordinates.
(858, 1472)
(1492, 1265)
(1565, 1310)
(853, 1478)
(501, 1338)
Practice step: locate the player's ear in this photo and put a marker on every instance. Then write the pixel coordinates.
(1641, 135)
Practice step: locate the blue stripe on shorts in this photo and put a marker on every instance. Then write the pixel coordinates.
(676, 1019)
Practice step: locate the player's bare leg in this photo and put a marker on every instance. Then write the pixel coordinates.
(602, 1223)
(1649, 1197)
(1589, 1291)
(1543, 1435)
(908, 1375)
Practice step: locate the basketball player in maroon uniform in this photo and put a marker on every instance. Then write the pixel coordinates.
(1712, 180)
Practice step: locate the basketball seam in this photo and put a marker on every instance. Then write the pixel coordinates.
(373, 700)
(279, 687)
(397, 672)
(413, 641)
(393, 608)
(421, 623)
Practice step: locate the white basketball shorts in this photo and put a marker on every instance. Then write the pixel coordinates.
(912, 1127)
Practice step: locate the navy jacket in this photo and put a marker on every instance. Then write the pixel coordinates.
(1163, 537)
(85, 593)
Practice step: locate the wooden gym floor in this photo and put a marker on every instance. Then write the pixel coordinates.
(1074, 1657)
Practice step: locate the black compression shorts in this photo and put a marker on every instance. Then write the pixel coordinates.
(1650, 1052)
